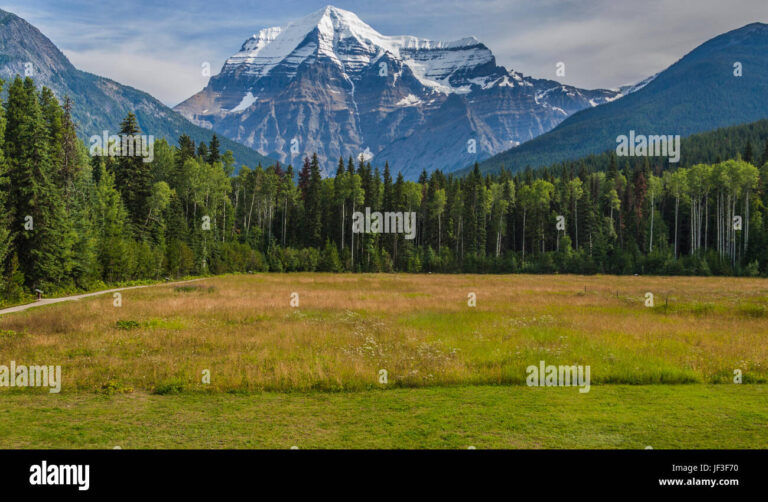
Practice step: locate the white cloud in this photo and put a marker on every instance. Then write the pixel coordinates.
(167, 80)
(607, 44)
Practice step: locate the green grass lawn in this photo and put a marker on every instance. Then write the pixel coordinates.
(610, 416)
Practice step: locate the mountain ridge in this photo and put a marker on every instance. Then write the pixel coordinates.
(698, 93)
(331, 84)
(98, 103)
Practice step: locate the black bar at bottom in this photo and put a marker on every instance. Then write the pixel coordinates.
(392, 473)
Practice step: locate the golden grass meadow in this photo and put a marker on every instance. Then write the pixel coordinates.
(243, 331)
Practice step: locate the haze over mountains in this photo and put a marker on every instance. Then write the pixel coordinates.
(701, 92)
(98, 103)
(329, 83)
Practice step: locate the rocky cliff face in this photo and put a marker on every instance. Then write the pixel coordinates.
(329, 83)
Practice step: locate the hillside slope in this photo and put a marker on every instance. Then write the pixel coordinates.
(98, 103)
(698, 93)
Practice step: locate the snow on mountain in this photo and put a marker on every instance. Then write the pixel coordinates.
(247, 101)
(409, 100)
(346, 40)
(630, 88)
(332, 84)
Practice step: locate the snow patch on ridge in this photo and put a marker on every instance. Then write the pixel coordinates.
(409, 100)
(246, 102)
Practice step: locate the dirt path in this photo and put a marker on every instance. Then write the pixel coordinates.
(49, 301)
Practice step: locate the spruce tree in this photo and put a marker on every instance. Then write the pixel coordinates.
(304, 175)
(42, 234)
(388, 201)
(186, 150)
(85, 270)
(202, 152)
(134, 177)
(110, 222)
(213, 152)
(5, 233)
(70, 166)
(313, 205)
(53, 117)
(764, 159)
(177, 225)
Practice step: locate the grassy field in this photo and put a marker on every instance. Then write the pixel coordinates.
(310, 374)
(616, 416)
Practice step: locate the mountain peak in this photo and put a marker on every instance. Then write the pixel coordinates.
(754, 26)
(329, 83)
(331, 20)
(330, 12)
(327, 21)
(339, 35)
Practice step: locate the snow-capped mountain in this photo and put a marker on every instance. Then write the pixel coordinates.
(331, 84)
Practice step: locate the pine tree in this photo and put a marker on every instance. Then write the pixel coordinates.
(134, 177)
(70, 167)
(85, 270)
(110, 225)
(612, 169)
(330, 261)
(313, 205)
(764, 159)
(13, 286)
(177, 225)
(748, 155)
(185, 152)
(186, 149)
(304, 176)
(214, 155)
(202, 152)
(42, 235)
(53, 117)
(5, 234)
(388, 201)
(340, 188)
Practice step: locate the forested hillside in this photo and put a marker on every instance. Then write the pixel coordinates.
(709, 147)
(71, 220)
(98, 103)
(722, 82)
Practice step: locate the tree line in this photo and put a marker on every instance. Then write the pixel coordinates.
(73, 221)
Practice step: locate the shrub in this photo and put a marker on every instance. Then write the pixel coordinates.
(753, 269)
(310, 259)
(170, 387)
(126, 325)
(179, 259)
(330, 261)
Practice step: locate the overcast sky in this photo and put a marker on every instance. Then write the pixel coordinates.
(159, 46)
